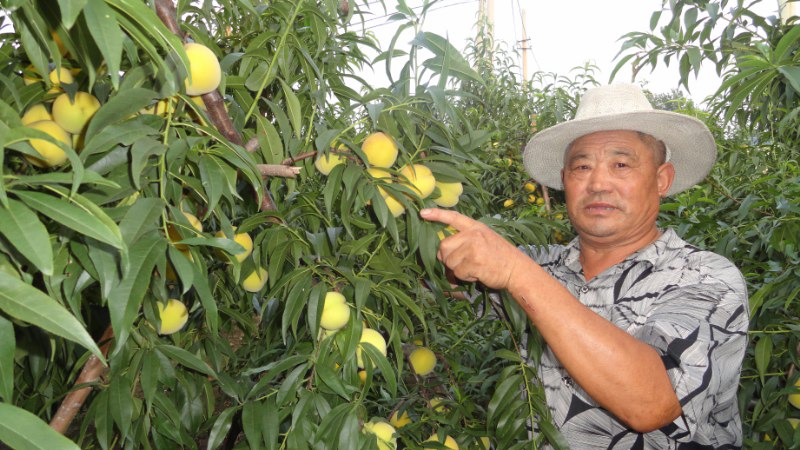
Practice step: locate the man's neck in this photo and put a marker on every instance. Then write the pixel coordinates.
(597, 256)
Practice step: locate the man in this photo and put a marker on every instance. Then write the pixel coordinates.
(645, 333)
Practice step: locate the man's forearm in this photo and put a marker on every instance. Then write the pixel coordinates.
(622, 374)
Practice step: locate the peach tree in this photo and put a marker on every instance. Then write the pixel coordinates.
(202, 249)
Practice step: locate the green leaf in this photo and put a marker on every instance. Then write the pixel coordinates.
(126, 298)
(446, 56)
(89, 177)
(294, 110)
(269, 424)
(102, 23)
(141, 217)
(141, 151)
(187, 359)
(371, 353)
(70, 10)
(27, 234)
(350, 430)
(28, 304)
(148, 377)
(120, 403)
(290, 385)
(76, 214)
(125, 133)
(183, 267)
(270, 142)
(221, 427)
(763, 353)
(20, 429)
(106, 266)
(251, 422)
(147, 30)
(261, 75)
(118, 108)
(8, 345)
(200, 282)
(212, 175)
(505, 391)
(28, 31)
(295, 303)
(792, 73)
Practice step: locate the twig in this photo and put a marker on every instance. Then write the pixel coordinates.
(293, 159)
(278, 170)
(91, 372)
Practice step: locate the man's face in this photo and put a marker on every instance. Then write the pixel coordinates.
(613, 186)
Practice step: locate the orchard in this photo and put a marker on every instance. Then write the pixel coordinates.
(209, 228)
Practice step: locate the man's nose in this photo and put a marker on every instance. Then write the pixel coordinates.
(599, 179)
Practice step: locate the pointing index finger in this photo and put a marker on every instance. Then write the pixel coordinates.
(455, 219)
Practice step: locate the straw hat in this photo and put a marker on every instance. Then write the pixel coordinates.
(690, 145)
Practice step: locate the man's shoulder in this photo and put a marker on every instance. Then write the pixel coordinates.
(679, 255)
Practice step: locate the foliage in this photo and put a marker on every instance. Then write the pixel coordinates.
(757, 56)
(98, 243)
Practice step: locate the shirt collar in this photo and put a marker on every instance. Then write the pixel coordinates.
(650, 253)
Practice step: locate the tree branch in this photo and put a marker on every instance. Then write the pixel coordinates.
(215, 107)
(278, 170)
(166, 11)
(301, 156)
(91, 372)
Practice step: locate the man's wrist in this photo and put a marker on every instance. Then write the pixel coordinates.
(523, 273)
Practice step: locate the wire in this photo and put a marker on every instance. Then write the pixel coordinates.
(527, 41)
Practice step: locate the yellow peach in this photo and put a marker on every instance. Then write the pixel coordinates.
(204, 69)
(380, 150)
(74, 114)
(52, 154)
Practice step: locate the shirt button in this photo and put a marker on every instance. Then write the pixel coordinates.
(584, 289)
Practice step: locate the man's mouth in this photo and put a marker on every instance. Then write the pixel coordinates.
(600, 207)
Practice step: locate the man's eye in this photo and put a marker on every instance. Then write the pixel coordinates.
(621, 165)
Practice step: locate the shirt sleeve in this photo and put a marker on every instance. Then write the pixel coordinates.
(700, 331)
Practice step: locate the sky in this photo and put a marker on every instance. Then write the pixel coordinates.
(563, 35)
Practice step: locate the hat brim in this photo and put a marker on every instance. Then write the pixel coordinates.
(691, 145)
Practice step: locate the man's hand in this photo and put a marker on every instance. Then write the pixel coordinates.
(475, 252)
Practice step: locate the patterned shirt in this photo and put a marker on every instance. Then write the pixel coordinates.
(690, 305)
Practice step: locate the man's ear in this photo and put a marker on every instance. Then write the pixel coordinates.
(562, 176)
(665, 175)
